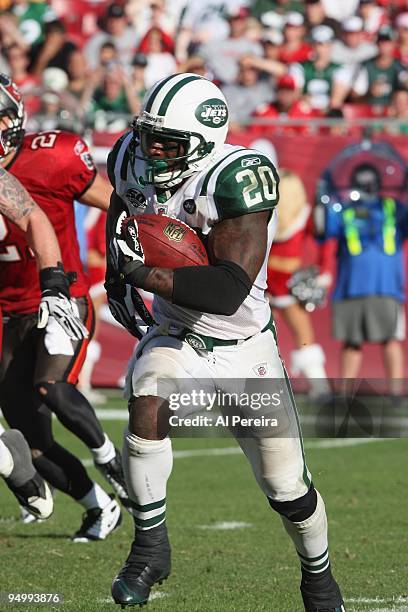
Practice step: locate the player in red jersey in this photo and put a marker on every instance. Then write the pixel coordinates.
(19, 208)
(56, 168)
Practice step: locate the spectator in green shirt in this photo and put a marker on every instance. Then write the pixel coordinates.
(32, 16)
(382, 75)
(260, 7)
(113, 93)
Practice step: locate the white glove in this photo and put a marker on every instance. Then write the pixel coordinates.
(56, 304)
(126, 252)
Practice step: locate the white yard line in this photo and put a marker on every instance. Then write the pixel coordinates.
(392, 604)
(235, 450)
(378, 600)
(342, 442)
(226, 525)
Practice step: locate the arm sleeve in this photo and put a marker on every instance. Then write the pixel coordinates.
(219, 289)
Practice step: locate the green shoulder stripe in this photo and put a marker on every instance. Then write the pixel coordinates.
(212, 171)
(246, 185)
(112, 159)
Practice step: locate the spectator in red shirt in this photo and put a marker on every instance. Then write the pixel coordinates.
(294, 49)
(288, 104)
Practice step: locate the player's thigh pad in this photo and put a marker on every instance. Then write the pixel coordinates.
(166, 366)
(275, 452)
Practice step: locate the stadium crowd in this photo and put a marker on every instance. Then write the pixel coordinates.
(284, 67)
(91, 62)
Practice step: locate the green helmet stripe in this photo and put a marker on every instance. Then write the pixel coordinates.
(175, 89)
(155, 93)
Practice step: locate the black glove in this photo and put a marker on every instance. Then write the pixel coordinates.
(56, 302)
(125, 303)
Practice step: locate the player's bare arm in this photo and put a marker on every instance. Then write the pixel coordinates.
(15, 202)
(18, 206)
(98, 194)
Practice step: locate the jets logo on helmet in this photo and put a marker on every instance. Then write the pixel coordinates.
(212, 112)
(12, 116)
(190, 115)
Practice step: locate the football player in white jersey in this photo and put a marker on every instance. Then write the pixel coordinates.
(211, 323)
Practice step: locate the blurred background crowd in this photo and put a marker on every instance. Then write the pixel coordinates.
(304, 80)
(88, 63)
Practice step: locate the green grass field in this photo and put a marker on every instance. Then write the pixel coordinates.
(249, 568)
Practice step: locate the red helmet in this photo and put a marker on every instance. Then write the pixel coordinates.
(12, 116)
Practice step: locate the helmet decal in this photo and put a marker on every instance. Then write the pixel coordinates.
(213, 112)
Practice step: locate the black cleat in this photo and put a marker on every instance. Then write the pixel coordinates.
(148, 563)
(98, 523)
(321, 594)
(113, 473)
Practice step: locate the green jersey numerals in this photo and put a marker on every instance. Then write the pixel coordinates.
(247, 184)
(260, 185)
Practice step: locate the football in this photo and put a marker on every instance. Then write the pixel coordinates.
(169, 243)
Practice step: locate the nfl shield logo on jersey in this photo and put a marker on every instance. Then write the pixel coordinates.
(261, 369)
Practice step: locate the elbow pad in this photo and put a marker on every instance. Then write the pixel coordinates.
(219, 289)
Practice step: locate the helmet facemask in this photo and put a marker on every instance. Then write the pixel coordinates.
(12, 134)
(182, 150)
(12, 117)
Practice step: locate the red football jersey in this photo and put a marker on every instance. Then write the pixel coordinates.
(55, 167)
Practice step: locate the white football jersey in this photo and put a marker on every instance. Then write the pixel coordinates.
(238, 181)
